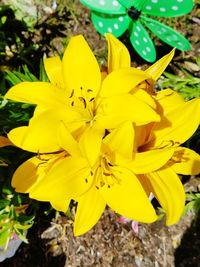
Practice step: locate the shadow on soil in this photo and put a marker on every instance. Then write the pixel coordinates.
(188, 253)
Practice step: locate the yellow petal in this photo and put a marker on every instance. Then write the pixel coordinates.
(5, 141)
(118, 55)
(69, 177)
(27, 175)
(122, 81)
(90, 144)
(60, 203)
(185, 161)
(169, 191)
(30, 172)
(40, 93)
(117, 109)
(80, 67)
(178, 125)
(156, 70)
(149, 161)
(89, 210)
(168, 100)
(121, 140)
(145, 97)
(67, 141)
(123, 197)
(53, 68)
(40, 136)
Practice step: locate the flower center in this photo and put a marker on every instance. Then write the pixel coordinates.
(83, 101)
(104, 175)
(133, 13)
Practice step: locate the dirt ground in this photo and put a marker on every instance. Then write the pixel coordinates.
(110, 243)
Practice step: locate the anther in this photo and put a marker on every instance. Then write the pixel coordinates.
(72, 93)
(91, 99)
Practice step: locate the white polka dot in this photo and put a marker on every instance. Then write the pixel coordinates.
(137, 42)
(151, 24)
(114, 3)
(163, 30)
(121, 19)
(116, 26)
(100, 23)
(162, 9)
(145, 39)
(174, 37)
(148, 7)
(136, 34)
(179, 1)
(138, 28)
(144, 52)
(109, 29)
(174, 8)
(169, 39)
(154, 1)
(179, 43)
(159, 32)
(102, 2)
(148, 49)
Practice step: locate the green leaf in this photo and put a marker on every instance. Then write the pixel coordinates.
(4, 203)
(4, 236)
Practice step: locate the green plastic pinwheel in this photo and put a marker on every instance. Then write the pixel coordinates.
(117, 16)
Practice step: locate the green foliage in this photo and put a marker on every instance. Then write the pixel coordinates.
(193, 204)
(17, 211)
(187, 85)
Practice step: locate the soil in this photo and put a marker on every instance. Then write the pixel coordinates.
(110, 243)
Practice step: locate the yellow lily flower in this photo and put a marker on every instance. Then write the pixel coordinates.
(179, 120)
(77, 96)
(94, 175)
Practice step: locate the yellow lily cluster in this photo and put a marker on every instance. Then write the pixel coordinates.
(105, 138)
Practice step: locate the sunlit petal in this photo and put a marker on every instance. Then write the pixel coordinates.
(145, 162)
(68, 178)
(168, 189)
(156, 70)
(118, 55)
(185, 161)
(40, 93)
(121, 140)
(60, 204)
(90, 144)
(177, 126)
(116, 109)
(122, 81)
(41, 134)
(89, 210)
(80, 67)
(168, 100)
(27, 175)
(53, 68)
(128, 198)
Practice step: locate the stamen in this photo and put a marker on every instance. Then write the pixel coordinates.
(91, 99)
(72, 93)
(83, 101)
